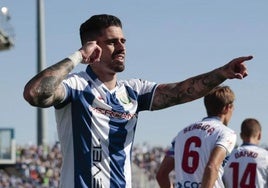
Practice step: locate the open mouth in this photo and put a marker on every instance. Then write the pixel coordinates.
(119, 56)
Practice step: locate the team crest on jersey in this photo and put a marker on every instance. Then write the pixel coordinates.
(123, 97)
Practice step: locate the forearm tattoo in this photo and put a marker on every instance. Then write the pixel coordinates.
(43, 86)
(167, 95)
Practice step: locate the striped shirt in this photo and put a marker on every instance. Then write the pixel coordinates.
(96, 128)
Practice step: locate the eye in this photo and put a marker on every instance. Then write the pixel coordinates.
(110, 42)
(123, 41)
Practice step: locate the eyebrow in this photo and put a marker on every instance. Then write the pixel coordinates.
(115, 39)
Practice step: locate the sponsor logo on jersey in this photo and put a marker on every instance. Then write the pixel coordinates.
(113, 114)
(96, 155)
(188, 184)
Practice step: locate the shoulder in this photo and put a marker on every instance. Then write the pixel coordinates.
(136, 81)
(76, 76)
(261, 150)
(76, 79)
(218, 127)
(223, 129)
(138, 84)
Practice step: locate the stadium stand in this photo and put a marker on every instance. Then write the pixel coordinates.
(6, 30)
(37, 168)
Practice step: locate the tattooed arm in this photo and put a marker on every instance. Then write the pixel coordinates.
(45, 89)
(167, 95)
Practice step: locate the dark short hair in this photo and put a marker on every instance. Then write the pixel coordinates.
(250, 127)
(93, 27)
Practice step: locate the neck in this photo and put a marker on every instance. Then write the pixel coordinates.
(250, 141)
(108, 79)
(110, 84)
(105, 75)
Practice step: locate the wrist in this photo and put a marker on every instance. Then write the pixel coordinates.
(223, 72)
(76, 58)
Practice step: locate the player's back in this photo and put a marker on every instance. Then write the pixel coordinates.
(192, 148)
(247, 166)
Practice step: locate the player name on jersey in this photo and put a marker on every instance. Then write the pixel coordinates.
(246, 153)
(201, 126)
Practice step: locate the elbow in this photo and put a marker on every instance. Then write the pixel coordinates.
(163, 180)
(158, 177)
(35, 98)
(212, 168)
(30, 96)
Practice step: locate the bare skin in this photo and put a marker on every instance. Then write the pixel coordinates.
(217, 155)
(211, 170)
(165, 168)
(106, 56)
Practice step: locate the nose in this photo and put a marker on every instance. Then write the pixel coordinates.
(121, 45)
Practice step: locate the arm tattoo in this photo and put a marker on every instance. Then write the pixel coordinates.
(167, 95)
(41, 90)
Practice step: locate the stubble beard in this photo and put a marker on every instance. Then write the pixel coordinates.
(118, 66)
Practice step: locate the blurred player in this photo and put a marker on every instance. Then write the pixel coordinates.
(200, 148)
(247, 165)
(164, 172)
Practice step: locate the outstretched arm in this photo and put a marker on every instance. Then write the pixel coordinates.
(171, 94)
(45, 89)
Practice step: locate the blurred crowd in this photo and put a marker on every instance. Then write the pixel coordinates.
(148, 158)
(38, 167)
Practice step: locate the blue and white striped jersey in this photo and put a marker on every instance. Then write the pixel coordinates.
(96, 129)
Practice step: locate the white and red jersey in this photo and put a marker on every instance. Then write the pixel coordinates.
(192, 147)
(247, 166)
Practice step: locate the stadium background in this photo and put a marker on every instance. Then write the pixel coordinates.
(38, 165)
(33, 165)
